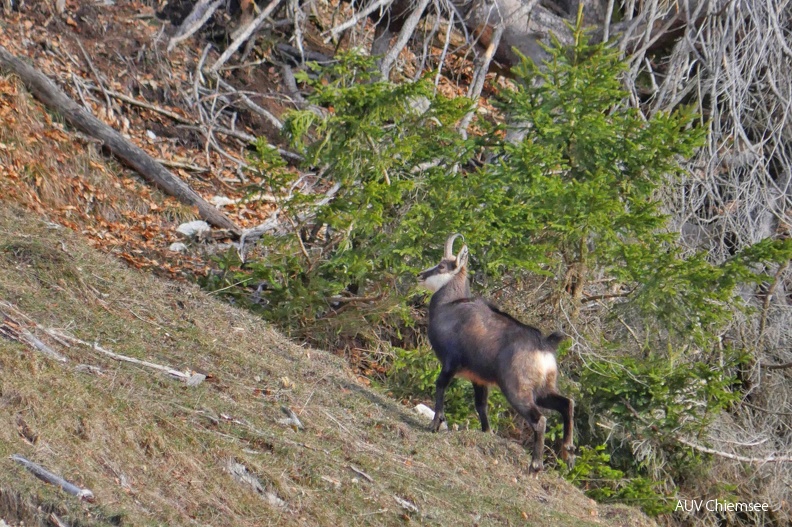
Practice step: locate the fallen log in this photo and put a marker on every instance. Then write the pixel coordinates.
(56, 99)
(53, 479)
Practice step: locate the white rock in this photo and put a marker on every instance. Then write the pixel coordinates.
(177, 247)
(221, 201)
(196, 379)
(193, 228)
(418, 105)
(425, 411)
(274, 500)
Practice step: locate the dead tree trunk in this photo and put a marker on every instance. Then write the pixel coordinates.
(56, 99)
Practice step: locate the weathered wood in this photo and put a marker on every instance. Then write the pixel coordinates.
(404, 36)
(56, 99)
(53, 479)
(243, 35)
(173, 372)
(14, 330)
(201, 12)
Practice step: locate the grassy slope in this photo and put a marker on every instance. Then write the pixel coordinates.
(156, 452)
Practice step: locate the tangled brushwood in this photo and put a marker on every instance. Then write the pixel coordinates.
(732, 66)
(641, 195)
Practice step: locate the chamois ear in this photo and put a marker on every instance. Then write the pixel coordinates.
(462, 257)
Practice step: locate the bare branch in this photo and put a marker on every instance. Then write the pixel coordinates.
(707, 450)
(202, 11)
(357, 17)
(244, 35)
(734, 457)
(777, 366)
(274, 121)
(153, 107)
(480, 75)
(123, 358)
(404, 35)
(53, 479)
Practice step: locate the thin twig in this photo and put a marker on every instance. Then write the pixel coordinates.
(98, 78)
(404, 36)
(707, 450)
(360, 473)
(186, 166)
(244, 35)
(765, 410)
(769, 297)
(357, 17)
(443, 53)
(123, 358)
(594, 298)
(776, 366)
(250, 104)
(149, 106)
(198, 80)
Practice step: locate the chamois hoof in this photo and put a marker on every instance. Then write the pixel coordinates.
(536, 467)
(568, 456)
(436, 424)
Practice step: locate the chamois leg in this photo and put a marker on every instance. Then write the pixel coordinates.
(480, 394)
(443, 380)
(566, 407)
(538, 424)
(531, 413)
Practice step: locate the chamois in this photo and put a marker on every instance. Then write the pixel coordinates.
(475, 340)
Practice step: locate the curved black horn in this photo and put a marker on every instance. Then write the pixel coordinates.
(449, 245)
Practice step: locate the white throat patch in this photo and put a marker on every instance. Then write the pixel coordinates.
(435, 282)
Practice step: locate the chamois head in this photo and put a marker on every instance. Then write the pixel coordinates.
(436, 277)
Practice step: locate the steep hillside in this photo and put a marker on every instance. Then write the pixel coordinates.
(214, 442)
(156, 451)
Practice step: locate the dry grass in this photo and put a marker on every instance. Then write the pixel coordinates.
(156, 452)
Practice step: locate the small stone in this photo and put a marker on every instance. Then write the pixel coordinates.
(193, 228)
(221, 201)
(177, 247)
(196, 379)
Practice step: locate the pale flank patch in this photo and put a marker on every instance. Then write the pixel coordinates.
(546, 363)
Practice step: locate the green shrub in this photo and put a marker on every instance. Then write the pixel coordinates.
(575, 201)
(413, 374)
(595, 475)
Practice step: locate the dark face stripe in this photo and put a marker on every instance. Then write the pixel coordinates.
(426, 273)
